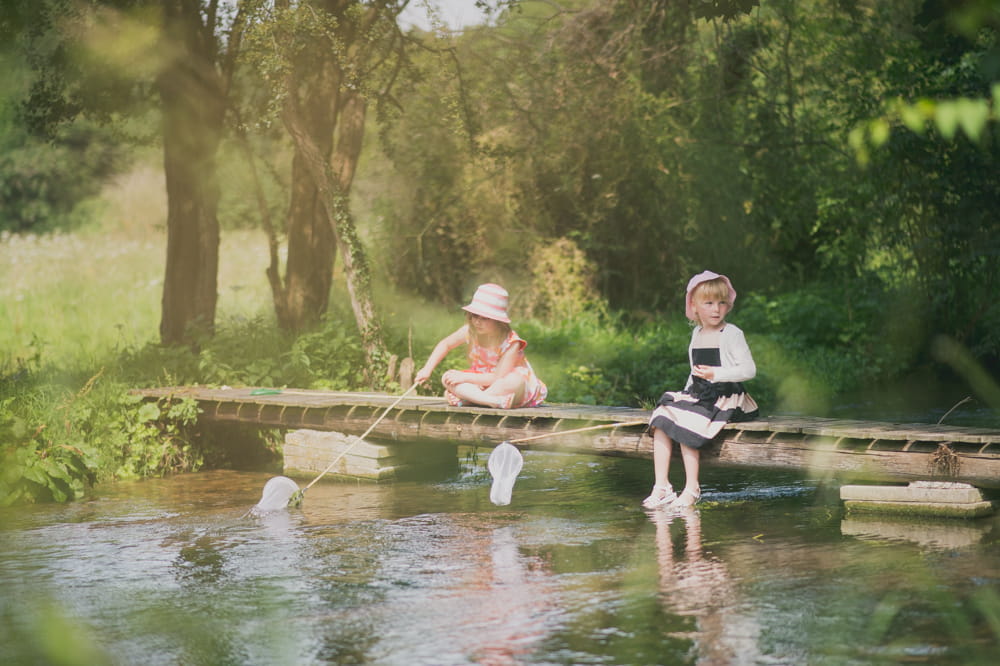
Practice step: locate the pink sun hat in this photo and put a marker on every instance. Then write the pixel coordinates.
(704, 276)
(490, 301)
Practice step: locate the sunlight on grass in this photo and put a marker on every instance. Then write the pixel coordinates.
(69, 299)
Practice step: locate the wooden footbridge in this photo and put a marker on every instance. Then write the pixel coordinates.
(822, 447)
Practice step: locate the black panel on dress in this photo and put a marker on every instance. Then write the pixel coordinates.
(706, 356)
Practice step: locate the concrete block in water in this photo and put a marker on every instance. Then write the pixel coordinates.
(309, 452)
(919, 498)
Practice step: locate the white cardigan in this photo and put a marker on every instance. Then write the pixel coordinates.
(734, 352)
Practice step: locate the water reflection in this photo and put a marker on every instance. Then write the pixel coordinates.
(697, 585)
(467, 592)
(514, 594)
(940, 534)
(167, 572)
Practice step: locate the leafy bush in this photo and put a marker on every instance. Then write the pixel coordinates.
(253, 352)
(152, 438)
(33, 468)
(563, 284)
(849, 334)
(55, 445)
(43, 184)
(595, 359)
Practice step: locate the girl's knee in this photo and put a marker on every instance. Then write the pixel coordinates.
(512, 383)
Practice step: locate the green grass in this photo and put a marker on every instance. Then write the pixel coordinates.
(70, 300)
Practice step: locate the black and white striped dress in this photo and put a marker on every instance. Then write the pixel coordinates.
(695, 415)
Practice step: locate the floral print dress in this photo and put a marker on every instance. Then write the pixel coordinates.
(485, 359)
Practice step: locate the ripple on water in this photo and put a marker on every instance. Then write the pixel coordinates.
(573, 571)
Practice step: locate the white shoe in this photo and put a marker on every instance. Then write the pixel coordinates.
(661, 495)
(686, 500)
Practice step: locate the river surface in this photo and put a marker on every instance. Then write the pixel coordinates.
(767, 569)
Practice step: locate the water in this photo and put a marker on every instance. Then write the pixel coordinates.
(766, 570)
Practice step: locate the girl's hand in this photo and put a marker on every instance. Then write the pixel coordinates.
(423, 374)
(451, 378)
(704, 371)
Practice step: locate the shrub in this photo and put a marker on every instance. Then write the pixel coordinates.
(43, 184)
(57, 444)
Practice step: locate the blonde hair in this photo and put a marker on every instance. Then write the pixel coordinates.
(711, 290)
(503, 329)
(717, 289)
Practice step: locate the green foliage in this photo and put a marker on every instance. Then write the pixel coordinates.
(563, 284)
(33, 468)
(154, 438)
(44, 185)
(52, 158)
(660, 144)
(57, 444)
(38, 629)
(599, 361)
(254, 352)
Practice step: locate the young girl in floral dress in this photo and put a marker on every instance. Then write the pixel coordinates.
(714, 395)
(499, 374)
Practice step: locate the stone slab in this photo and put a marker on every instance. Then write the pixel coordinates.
(336, 442)
(309, 452)
(918, 491)
(345, 471)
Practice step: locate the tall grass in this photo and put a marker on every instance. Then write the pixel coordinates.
(70, 300)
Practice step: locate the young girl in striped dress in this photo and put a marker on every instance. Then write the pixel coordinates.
(714, 395)
(499, 374)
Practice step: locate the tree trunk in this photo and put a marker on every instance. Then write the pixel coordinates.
(332, 179)
(192, 94)
(311, 252)
(311, 239)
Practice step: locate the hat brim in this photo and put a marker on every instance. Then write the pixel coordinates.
(472, 309)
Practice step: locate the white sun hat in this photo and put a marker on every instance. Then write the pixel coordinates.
(490, 301)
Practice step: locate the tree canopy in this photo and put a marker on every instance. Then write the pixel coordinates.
(846, 148)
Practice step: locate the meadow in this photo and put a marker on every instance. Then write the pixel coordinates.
(68, 299)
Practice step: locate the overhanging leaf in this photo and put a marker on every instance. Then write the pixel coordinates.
(946, 119)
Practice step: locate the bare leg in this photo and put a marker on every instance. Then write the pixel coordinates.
(473, 394)
(662, 491)
(501, 394)
(692, 486)
(514, 384)
(662, 448)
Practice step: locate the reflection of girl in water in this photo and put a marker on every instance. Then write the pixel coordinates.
(507, 600)
(698, 585)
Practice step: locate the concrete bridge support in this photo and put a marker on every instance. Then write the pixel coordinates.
(309, 452)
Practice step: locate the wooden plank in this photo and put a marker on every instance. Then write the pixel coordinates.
(867, 450)
(302, 406)
(822, 458)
